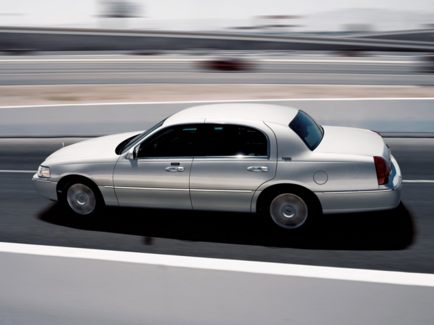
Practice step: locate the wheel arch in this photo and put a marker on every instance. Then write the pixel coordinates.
(69, 179)
(271, 191)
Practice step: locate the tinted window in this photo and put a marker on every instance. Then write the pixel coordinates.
(177, 141)
(232, 140)
(130, 142)
(307, 129)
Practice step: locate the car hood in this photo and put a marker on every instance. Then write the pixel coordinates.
(96, 150)
(352, 141)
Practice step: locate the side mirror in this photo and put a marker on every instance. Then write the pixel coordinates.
(132, 153)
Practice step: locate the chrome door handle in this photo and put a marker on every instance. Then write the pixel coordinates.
(257, 168)
(174, 169)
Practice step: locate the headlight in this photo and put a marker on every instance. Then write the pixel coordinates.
(43, 172)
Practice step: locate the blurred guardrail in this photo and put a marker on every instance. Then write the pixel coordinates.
(68, 39)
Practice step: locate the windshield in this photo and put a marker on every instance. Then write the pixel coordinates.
(130, 142)
(307, 129)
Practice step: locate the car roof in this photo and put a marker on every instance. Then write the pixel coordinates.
(234, 112)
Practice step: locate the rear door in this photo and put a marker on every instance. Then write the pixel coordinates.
(233, 162)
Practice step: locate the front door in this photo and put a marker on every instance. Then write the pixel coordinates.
(159, 176)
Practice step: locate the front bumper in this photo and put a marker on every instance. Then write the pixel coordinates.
(386, 197)
(45, 187)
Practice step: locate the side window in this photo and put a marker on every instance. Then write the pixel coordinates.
(233, 140)
(175, 141)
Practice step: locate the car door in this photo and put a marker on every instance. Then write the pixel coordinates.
(234, 161)
(159, 174)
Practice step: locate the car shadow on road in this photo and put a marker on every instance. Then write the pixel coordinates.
(384, 230)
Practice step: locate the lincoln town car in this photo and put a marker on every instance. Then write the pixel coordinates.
(269, 160)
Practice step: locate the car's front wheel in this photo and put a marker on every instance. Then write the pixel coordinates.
(81, 199)
(290, 211)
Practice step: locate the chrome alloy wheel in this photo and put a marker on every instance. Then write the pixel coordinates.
(81, 199)
(288, 211)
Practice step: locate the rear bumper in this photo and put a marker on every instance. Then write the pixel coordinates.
(386, 197)
(45, 187)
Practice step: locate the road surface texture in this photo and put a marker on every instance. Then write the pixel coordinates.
(397, 240)
(45, 290)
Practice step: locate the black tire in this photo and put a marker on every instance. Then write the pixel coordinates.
(81, 199)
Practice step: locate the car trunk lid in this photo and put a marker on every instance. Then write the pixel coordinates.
(353, 141)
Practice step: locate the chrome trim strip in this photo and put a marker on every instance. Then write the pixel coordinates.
(189, 158)
(231, 191)
(232, 158)
(175, 189)
(355, 191)
(42, 180)
(185, 159)
(147, 188)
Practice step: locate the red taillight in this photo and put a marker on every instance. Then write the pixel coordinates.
(382, 170)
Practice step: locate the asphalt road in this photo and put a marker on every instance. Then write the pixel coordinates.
(397, 240)
(40, 70)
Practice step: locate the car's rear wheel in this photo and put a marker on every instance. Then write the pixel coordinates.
(290, 211)
(81, 199)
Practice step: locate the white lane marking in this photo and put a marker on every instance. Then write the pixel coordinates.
(20, 171)
(337, 61)
(16, 171)
(104, 60)
(101, 60)
(212, 76)
(306, 271)
(229, 100)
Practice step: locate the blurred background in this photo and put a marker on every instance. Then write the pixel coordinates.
(277, 16)
(111, 51)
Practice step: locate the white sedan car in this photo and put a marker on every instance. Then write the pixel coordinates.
(272, 160)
